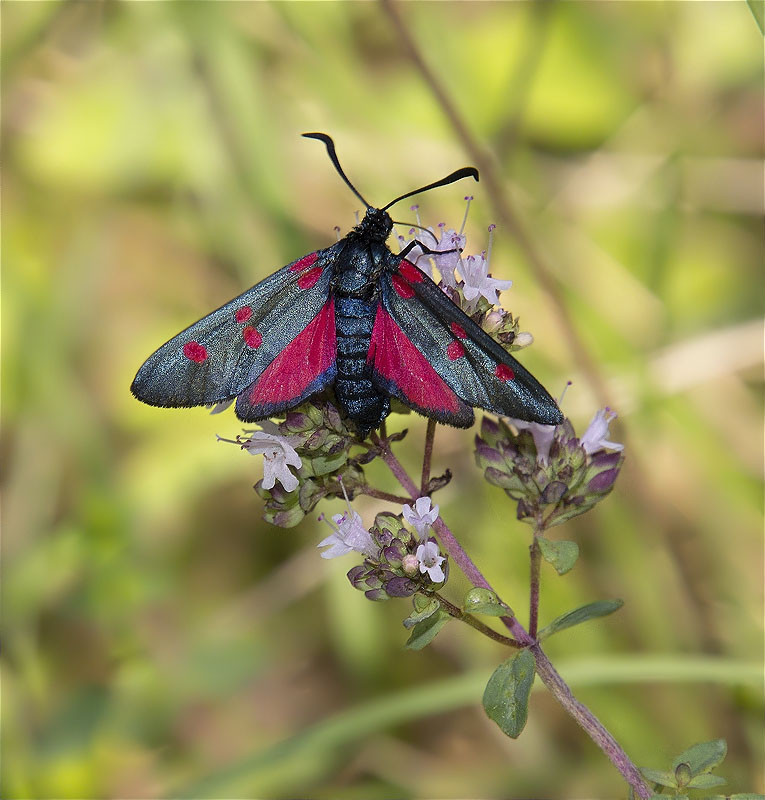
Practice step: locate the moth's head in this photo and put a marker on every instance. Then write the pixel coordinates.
(376, 224)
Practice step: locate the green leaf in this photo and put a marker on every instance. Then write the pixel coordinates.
(601, 608)
(660, 776)
(706, 781)
(506, 697)
(562, 555)
(703, 757)
(484, 601)
(421, 614)
(424, 632)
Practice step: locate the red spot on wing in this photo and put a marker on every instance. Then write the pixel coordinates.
(243, 314)
(195, 352)
(403, 288)
(303, 360)
(410, 272)
(455, 350)
(251, 337)
(304, 262)
(310, 278)
(458, 330)
(397, 360)
(504, 373)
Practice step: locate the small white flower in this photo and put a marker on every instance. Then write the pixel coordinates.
(475, 273)
(430, 561)
(594, 437)
(450, 245)
(523, 339)
(278, 455)
(422, 516)
(542, 435)
(348, 534)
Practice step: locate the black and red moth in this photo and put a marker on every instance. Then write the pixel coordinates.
(356, 318)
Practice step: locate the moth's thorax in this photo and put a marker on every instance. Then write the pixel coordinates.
(376, 225)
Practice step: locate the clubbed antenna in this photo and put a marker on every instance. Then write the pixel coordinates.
(457, 175)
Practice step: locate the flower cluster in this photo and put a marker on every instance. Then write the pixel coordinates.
(303, 458)
(467, 281)
(551, 474)
(403, 563)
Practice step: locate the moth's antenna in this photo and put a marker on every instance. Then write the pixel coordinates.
(457, 175)
(322, 137)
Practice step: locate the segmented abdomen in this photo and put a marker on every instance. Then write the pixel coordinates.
(354, 390)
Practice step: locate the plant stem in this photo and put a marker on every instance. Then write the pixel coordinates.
(589, 723)
(547, 673)
(459, 614)
(427, 457)
(535, 555)
(380, 495)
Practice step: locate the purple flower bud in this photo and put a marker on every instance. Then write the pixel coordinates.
(357, 575)
(376, 594)
(553, 492)
(400, 587)
(603, 481)
(487, 454)
(394, 554)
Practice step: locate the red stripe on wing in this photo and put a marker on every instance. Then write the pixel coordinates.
(399, 362)
(311, 353)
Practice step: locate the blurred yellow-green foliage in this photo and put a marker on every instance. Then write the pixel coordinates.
(160, 639)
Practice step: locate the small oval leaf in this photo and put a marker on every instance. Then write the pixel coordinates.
(506, 697)
(562, 555)
(703, 757)
(601, 608)
(422, 614)
(706, 781)
(660, 776)
(484, 601)
(424, 632)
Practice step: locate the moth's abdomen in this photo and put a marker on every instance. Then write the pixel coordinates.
(354, 390)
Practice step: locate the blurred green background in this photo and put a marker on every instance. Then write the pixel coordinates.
(160, 639)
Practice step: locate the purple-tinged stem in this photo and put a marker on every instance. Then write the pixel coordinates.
(380, 495)
(427, 457)
(589, 723)
(547, 673)
(536, 556)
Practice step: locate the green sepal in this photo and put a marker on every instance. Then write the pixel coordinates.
(506, 697)
(601, 608)
(421, 614)
(484, 601)
(703, 757)
(562, 555)
(325, 464)
(424, 632)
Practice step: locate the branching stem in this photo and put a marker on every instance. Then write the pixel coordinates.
(459, 614)
(547, 673)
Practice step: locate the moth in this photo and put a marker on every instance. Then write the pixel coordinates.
(354, 318)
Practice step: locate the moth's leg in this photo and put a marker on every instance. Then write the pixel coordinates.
(425, 249)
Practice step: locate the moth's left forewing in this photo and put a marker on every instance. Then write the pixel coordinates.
(216, 358)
